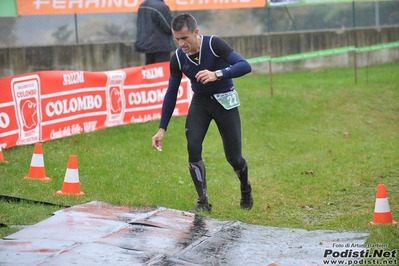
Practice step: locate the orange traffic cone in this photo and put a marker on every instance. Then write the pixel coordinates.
(36, 170)
(71, 184)
(2, 156)
(382, 212)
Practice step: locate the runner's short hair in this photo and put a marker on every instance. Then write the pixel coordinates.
(184, 20)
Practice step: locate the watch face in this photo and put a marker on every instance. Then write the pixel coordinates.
(219, 73)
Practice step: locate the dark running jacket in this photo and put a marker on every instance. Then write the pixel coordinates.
(154, 33)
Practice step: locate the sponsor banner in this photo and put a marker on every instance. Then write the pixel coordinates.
(192, 5)
(272, 3)
(27, 106)
(58, 7)
(52, 7)
(43, 106)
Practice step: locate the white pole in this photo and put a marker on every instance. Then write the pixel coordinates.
(377, 14)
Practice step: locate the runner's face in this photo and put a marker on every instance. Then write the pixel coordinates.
(187, 41)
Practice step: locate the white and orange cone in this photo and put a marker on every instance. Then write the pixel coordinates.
(382, 212)
(2, 157)
(71, 184)
(36, 169)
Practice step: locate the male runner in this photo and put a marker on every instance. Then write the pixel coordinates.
(210, 63)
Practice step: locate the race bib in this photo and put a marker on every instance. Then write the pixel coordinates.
(228, 100)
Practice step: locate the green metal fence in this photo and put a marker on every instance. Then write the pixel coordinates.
(314, 54)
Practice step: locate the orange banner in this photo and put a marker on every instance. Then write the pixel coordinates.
(43, 106)
(54, 7)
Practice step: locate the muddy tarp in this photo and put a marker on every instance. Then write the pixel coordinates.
(98, 233)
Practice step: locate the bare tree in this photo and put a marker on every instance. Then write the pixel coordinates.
(7, 35)
(62, 34)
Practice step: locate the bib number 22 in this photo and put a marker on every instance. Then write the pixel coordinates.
(228, 100)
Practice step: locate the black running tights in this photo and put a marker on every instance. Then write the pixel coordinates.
(202, 111)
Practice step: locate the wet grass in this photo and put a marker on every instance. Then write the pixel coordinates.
(316, 151)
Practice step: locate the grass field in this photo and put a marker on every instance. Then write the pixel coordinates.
(346, 134)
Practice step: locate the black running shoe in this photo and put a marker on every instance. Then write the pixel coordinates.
(202, 205)
(246, 201)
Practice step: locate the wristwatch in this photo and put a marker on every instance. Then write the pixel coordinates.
(219, 74)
